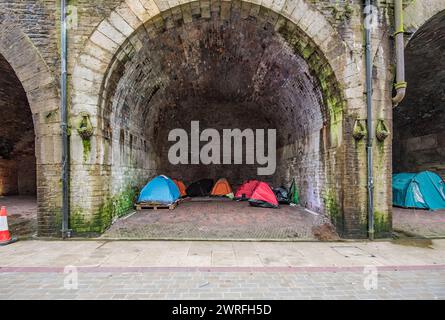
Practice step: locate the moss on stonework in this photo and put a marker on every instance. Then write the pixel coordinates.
(382, 225)
(111, 209)
(50, 223)
(349, 11)
(124, 202)
(307, 52)
(58, 219)
(331, 206)
(86, 148)
(80, 223)
(342, 12)
(381, 147)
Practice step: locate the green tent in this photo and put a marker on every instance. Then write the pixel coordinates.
(424, 190)
(293, 193)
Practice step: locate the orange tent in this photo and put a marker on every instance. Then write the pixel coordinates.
(221, 188)
(181, 187)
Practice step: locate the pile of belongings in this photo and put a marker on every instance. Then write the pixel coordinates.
(160, 190)
(282, 195)
(260, 194)
(423, 190)
(287, 196)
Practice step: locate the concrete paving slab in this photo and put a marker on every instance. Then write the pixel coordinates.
(60, 253)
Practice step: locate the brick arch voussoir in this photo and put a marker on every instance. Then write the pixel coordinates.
(32, 71)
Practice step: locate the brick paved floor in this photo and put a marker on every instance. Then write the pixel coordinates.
(221, 270)
(221, 220)
(22, 214)
(419, 222)
(415, 284)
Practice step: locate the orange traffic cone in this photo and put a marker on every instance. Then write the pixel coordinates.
(5, 237)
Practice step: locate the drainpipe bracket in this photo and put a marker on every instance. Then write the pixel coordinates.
(400, 85)
(398, 32)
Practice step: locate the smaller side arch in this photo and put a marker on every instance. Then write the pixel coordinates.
(41, 90)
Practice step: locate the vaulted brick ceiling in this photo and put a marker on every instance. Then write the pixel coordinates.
(238, 73)
(226, 74)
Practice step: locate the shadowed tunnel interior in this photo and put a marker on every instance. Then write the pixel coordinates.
(17, 155)
(226, 74)
(419, 121)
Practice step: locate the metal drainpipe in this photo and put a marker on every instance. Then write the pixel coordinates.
(370, 184)
(64, 124)
(401, 84)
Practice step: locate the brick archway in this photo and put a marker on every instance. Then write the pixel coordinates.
(41, 91)
(112, 42)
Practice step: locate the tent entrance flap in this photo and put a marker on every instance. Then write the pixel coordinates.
(201, 188)
(246, 190)
(221, 188)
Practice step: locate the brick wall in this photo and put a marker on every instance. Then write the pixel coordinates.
(8, 177)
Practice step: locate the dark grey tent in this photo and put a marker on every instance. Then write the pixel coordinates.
(201, 188)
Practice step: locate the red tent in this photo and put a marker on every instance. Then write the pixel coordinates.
(263, 196)
(246, 190)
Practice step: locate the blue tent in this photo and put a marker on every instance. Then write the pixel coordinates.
(160, 190)
(424, 190)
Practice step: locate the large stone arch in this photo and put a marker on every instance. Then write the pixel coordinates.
(419, 12)
(41, 90)
(112, 42)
